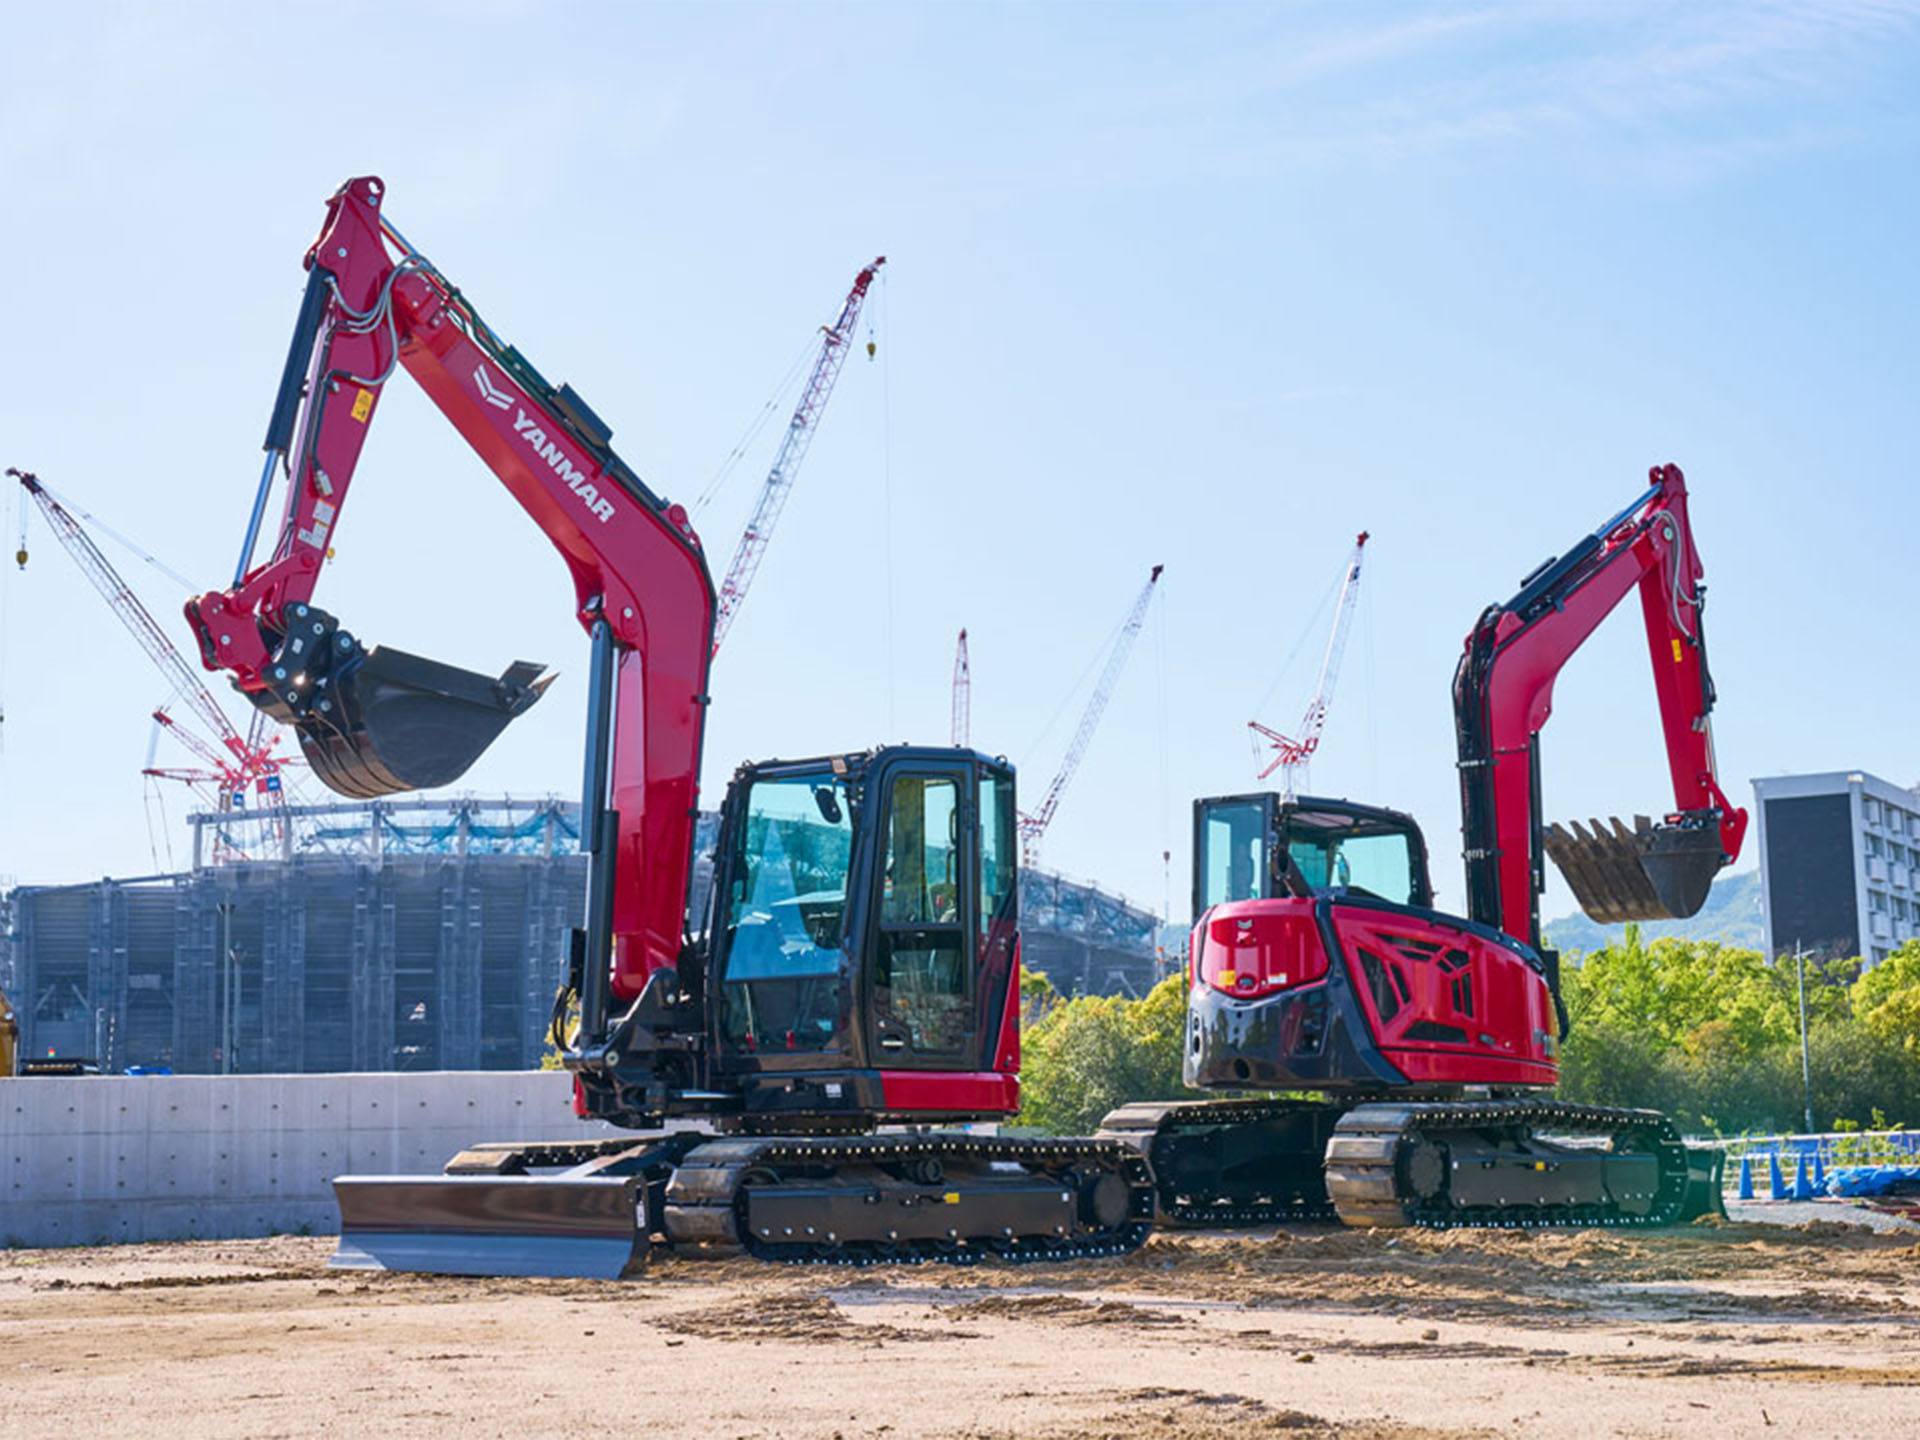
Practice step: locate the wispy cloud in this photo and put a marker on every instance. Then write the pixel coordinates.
(1655, 88)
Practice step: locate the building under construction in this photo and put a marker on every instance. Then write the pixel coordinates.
(422, 934)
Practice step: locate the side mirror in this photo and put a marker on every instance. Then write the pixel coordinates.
(827, 803)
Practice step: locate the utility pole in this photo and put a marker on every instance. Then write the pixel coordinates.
(1806, 1061)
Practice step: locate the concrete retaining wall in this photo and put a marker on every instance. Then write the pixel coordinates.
(118, 1159)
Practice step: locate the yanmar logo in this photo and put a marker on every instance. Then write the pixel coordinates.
(489, 392)
(528, 429)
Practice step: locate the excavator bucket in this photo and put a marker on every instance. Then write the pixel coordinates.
(1651, 872)
(400, 722)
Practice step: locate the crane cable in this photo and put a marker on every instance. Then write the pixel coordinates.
(775, 405)
(1166, 784)
(886, 485)
(1306, 631)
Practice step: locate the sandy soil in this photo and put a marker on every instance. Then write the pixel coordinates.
(1814, 1330)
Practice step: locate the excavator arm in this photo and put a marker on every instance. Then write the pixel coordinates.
(1503, 696)
(376, 720)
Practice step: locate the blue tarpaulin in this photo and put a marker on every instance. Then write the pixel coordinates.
(1871, 1179)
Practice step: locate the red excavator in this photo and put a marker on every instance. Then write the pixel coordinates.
(1318, 963)
(858, 963)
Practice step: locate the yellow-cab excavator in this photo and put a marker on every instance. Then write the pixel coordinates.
(9, 1038)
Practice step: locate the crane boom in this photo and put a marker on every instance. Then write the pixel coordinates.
(1293, 753)
(1034, 824)
(135, 616)
(752, 548)
(962, 725)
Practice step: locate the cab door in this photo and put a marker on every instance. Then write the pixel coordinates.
(923, 973)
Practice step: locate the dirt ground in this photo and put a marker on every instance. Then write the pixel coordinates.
(1716, 1328)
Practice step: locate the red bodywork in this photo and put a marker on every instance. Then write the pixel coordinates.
(1339, 993)
(635, 561)
(638, 565)
(1651, 547)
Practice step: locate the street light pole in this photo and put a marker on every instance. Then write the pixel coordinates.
(1806, 1062)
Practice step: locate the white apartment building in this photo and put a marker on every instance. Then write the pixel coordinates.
(1839, 863)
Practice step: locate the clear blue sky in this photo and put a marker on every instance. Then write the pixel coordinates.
(1214, 287)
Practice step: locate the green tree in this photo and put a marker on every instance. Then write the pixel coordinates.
(1711, 1035)
(1093, 1053)
(1887, 997)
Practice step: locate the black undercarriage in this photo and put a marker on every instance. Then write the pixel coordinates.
(1436, 1164)
(597, 1209)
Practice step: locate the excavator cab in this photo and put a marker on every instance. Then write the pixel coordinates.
(1261, 847)
(862, 920)
(376, 721)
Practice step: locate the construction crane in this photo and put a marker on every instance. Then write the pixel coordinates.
(233, 765)
(962, 693)
(1033, 824)
(747, 555)
(1292, 754)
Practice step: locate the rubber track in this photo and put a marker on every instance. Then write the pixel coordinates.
(1363, 1164)
(1147, 1126)
(733, 1158)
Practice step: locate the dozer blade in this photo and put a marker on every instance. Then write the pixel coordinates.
(1651, 872)
(565, 1226)
(400, 722)
(1706, 1181)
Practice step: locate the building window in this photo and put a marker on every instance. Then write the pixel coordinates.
(1876, 902)
(1874, 845)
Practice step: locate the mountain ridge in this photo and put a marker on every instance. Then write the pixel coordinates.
(1732, 915)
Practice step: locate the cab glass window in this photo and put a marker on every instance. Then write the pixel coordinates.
(1233, 838)
(785, 982)
(1379, 865)
(922, 969)
(998, 863)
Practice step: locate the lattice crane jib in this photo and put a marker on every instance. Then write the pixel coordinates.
(1293, 753)
(231, 761)
(1033, 824)
(962, 718)
(836, 341)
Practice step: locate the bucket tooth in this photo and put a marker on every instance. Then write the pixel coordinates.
(1648, 872)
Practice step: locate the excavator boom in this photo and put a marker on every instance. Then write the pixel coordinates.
(1503, 696)
(373, 720)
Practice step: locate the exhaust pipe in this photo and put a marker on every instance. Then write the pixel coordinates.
(375, 722)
